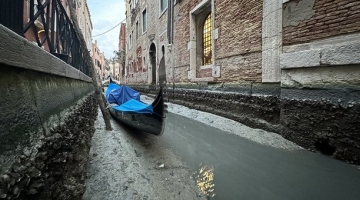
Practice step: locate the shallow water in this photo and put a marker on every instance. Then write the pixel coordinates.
(232, 167)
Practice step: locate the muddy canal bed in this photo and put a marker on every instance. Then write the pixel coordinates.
(204, 156)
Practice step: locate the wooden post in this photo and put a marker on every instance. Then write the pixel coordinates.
(89, 62)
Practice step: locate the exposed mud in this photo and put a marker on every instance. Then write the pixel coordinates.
(125, 164)
(332, 129)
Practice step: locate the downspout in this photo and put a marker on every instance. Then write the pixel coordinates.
(170, 34)
(212, 34)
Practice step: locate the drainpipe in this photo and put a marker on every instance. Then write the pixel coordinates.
(213, 28)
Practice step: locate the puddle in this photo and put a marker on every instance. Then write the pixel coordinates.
(204, 178)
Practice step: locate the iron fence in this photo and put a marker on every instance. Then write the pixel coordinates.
(47, 23)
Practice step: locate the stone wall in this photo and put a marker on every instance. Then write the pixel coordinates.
(46, 122)
(29, 99)
(308, 20)
(325, 120)
(320, 76)
(256, 105)
(46, 126)
(53, 163)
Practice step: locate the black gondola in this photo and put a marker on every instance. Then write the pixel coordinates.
(147, 122)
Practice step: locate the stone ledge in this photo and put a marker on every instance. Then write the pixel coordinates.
(205, 79)
(308, 58)
(339, 51)
(348, 54)
(17, 51)
(342, 55)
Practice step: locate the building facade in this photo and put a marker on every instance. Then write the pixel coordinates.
(293, 64)
(84, 20)
(122, 52)
(99, 61)
(114, 71)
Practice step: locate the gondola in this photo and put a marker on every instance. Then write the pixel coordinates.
(125, 106)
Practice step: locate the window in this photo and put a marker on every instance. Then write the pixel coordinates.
(207, 46)
(144, 18)
(200, 42)
(137, 30)
(130, 41)
(163, 5)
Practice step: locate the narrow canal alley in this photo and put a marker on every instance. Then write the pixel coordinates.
(201, 156)
(282, 74)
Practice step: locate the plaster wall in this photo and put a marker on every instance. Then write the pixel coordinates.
(138, 61)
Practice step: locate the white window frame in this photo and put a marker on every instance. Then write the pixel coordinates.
(137, 30)
(194, 40)
(165, 9)
(146, 21)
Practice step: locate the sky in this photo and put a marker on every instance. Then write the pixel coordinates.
(104, 16)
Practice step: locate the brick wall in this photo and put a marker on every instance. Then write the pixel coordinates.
(182, 31)
(239, 43)
(328, 18)
(241, 68)
(239, 24)
(180, 74)
(238, 48)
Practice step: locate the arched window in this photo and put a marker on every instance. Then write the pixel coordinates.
(207, 46)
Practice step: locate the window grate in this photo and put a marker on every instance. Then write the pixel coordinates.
(207, 46)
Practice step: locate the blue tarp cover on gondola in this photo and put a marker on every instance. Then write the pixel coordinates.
(134, 106)
(127, 99)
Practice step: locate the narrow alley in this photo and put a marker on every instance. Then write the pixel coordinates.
(179, 99)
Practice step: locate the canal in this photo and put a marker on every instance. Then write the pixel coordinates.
(201, 156)
(227, 166)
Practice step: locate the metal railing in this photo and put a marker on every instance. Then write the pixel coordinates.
(47, 23)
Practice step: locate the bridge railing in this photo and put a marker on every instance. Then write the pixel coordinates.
(46, 23)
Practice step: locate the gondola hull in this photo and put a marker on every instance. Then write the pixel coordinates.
(150, 123)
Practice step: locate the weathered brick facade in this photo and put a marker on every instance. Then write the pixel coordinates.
(239, 24)
(325, 18)
(236, 50)
(182, 32)
(237, 46)
(245, 67)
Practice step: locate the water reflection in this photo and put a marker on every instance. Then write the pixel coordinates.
(247, 170)
(205, 180)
